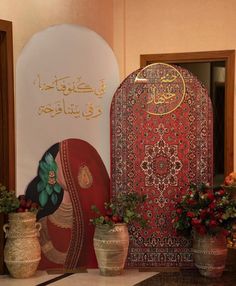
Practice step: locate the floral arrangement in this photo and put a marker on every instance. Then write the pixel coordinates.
(206, 210)
(125, 208)
(9, 202)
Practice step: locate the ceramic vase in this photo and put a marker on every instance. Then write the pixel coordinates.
(210, 253)
(111, 248)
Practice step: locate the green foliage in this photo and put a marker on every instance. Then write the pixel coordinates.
(125, 208)
(8, 200)
(48, 186)
(10, 203)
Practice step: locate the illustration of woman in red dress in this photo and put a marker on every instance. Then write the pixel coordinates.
(71, 177)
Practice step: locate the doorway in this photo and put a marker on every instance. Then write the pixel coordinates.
(7, 138)
(216, 70)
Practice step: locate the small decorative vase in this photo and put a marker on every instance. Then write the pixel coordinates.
(111, 248)
(22, 251)
(210, 253)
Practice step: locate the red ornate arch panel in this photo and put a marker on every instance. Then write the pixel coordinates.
(161, 140)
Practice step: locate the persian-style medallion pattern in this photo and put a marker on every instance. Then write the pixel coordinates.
(161, 166)
(161, 137)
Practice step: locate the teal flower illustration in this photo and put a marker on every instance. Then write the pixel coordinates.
(48, 186)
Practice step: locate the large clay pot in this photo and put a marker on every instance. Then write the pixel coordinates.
(111, 248)
(210, 253)
(22, 251)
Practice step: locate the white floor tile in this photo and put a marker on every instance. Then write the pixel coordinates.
(39, 277)
(128, 278)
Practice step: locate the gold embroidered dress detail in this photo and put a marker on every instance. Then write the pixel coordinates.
(63, 216)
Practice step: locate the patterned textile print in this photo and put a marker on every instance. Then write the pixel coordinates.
(159, 153)
(77, 228)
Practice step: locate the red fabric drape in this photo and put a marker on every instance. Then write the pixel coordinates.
(78, 242)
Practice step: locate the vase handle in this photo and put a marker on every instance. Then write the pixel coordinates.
(6, 229)
(38, 227)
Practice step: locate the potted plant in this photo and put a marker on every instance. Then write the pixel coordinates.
(207, 213)
(111, 237)
(22, 250)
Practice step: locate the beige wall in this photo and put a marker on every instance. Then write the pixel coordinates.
(31, 16)
(171, 26)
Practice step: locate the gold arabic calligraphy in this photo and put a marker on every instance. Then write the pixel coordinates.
(164, 88)
(162, 98)
(60, 107)
(68, 85)
(167, 95)
(168, 78)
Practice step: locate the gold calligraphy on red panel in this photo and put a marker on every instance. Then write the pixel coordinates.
(164, 88)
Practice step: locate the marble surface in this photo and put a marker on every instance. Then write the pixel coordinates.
(129, 277)
(39, 277)
(189, 278)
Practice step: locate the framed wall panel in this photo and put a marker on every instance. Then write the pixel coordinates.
(7, 138)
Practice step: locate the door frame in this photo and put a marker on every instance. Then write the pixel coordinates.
(228, 56)
(7, 127)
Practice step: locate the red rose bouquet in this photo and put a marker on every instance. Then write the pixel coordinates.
(206, 210)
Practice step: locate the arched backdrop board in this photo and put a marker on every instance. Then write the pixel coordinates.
(161, 140)
(66, 76)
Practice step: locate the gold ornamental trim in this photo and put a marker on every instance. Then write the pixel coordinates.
(103, 264)
(214, 252)
(209, 267)
(47, 246)
(63, 216)
(85, 177)
(110, 242)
